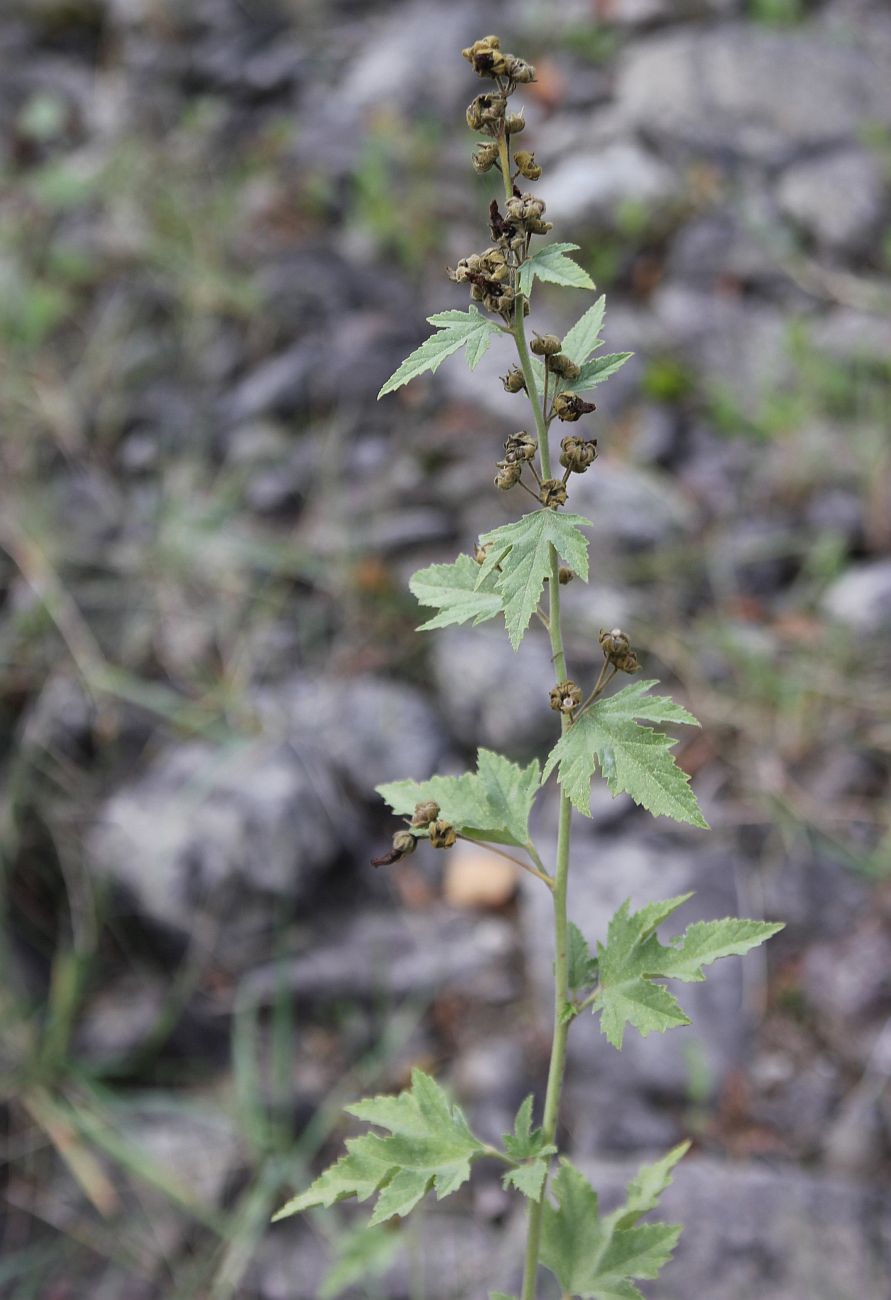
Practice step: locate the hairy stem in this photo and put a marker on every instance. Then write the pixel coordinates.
(557, 1066)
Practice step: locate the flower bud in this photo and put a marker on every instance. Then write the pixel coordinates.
(425, 812)
(562, 365)
(552, 493)
(442, 834)
(565, 697)
(569, 406)
(545, 345)
(513, 381)
(527, 165)
(508, 475)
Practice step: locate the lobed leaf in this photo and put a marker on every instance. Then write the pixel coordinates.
(522, 550)
(584, 337)
(451, 588)
(633, 958)
(551, 263)
(454, 329)
(528, 1179)
(582, 966)
(429, 1145)
(597, 371)
(596, 1258)
(633, 759)
(492, 803)
(526, 1141)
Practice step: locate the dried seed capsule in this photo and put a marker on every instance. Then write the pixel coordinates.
(425, 812)
(484, 157)
(552, 493)
(404, 843)
(576, 454)
(442, 834)
(527, 165)
(565, 697)
(562, 365)
(545, 345)
(536, 227)
(617, 650)
(564, 575)
(508, 475)
(479, 555)
(569, 406)
(513, 381)
(520, 446)
(520, 71)
(514, 123)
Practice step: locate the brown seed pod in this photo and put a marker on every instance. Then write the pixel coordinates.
(527, 165)
(508, 475)
(564, 366)
(552, 493)
(576, 454)
(565, 697)
(514, 381)
(442, 834)
(425, 812)
(519, 447)
(571, 407)
(617, 650)
(545, 345)
(564, 575)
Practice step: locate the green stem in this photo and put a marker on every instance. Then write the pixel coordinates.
(557, 1066)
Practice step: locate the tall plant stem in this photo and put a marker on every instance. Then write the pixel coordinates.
(561, 873)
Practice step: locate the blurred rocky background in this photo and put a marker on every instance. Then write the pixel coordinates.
(222, 224)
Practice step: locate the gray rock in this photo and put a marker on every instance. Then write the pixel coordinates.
(631, 507)
(861, 598)
(838, 200)
(751, 91)
(219, 832)
(593, 187)
(480, 679)
(735, 346)
(398, 954)
(369, 729)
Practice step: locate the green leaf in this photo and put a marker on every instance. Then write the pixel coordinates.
(526, 1141)
(597, 371)
(592, 1257)
(451, 588)
(707, 941)
(430, 1145)
(492, 803)
(647, 1186)
(584, 338)
(523, 552)
(528, 1179)
(454, 329)
(633, 759)
(582, 966)
(633, 958)
(551, 263)
(359, 1254)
